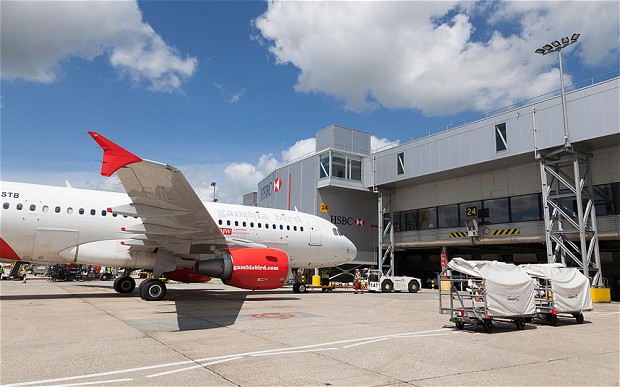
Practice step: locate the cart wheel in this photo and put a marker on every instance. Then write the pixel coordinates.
(387, 286)
(302, 288)
(579, 318)
(553, 319)
(459, 325)
(487, 325)
(520, 323)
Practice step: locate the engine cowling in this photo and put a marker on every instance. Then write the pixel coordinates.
(187, 276)
(250, 268)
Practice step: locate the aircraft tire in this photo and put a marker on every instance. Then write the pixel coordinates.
(302, 288)
(124, 284)
(152, 290)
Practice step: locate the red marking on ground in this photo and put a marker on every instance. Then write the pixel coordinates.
(273, 315)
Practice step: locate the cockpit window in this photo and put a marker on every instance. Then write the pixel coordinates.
(336, 232)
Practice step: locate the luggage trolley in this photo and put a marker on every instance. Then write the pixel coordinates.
(480, 292)
(560, 291)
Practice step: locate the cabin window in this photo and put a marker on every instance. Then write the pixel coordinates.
(244, 224)
(20, 206)
(220, 222)
(295, 228)
(33, 207)
(259, 226)
(104, 212)
(81, 211)
(45, 208)
(228, 222)
(5, 206)
(92, 211)
(236, 223)
(288, 227)
(114, 214)
(69, 210)
(281, 227)
(252, 224)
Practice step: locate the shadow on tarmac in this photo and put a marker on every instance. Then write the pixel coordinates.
(196, 309)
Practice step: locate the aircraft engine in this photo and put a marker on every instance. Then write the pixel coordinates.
(248, 268)
(187, 276)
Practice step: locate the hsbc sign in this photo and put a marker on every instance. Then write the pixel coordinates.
(347, 221)
(270, 188)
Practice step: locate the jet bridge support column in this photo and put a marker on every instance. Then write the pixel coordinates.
(385, 217)
(568, 208)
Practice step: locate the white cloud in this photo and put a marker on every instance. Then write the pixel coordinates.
(428, 55)
(299, 149)
(38, 36)
(382, 143)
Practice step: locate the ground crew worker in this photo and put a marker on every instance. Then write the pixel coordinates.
(24, 271)
(357, 281)
(1, 271)
(325, 279)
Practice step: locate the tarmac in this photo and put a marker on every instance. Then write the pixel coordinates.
(84, 333)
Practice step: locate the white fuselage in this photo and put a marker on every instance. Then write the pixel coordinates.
(50, 224)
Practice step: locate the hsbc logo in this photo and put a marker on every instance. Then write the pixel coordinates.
(271, 187)
(277, 184)
(347, 221)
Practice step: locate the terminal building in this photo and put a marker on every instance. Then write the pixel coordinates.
(520, 185)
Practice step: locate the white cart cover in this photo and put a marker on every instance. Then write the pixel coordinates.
(571, 289)
(509, 290)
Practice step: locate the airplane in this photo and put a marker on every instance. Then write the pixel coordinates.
(160, 224)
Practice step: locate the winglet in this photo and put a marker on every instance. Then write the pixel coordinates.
(114, 156)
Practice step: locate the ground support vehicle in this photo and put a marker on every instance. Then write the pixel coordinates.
(560, 292)
(481, 292)
(376, 281)
(61, 272)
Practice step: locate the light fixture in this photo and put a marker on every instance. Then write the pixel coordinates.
(575, 37)
(556, 44)
(547, 47)
(565, 40)
(540, 51)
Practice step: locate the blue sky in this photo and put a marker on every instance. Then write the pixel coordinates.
(229, 90)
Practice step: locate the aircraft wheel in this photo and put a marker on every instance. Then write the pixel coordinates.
(153, 290)
(387, 286)
(302, 288)
(124, 284)
(460, 325)
(413, 286)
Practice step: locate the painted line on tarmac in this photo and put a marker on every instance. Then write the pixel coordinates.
(91, 383)
(365, 342)
(193, 367)
(231, 357)
(287, 352)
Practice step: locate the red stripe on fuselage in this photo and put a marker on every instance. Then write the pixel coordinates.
(7, 251)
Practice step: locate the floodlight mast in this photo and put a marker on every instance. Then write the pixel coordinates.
(553, 47)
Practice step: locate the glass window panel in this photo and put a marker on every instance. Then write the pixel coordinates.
(400, 163)
(397, 222)
(603, 199)
(524, 208)
(324, 165)
(408, 220)
(497, 211)
(338, 165)
(448, 216)
(501, 142)
(428, 218)
(355, 168)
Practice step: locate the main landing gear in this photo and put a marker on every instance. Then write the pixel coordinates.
(124, 284)
(152, 290)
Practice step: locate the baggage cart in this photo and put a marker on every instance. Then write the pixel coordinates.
(560, 292)
(481, 292)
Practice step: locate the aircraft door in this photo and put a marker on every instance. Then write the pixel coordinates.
(48, 242)
(315, 231)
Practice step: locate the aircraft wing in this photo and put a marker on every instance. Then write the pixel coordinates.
(173, 216)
